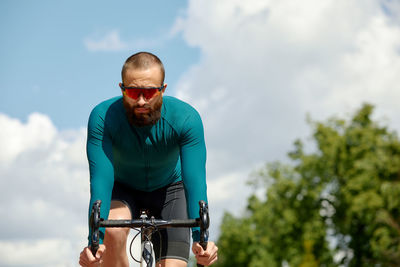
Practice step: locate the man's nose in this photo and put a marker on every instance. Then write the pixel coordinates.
(141, 100)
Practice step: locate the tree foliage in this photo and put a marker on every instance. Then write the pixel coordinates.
(336, 206)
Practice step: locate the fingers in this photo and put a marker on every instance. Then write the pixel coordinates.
(197, 249)
(86, 258)
(207, 257)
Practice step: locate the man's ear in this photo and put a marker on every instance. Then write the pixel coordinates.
(165, 86)
(120, 86)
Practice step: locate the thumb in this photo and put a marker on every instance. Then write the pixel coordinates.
(100, 252)
(198, 250)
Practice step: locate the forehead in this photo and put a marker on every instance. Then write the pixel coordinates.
(149, 76)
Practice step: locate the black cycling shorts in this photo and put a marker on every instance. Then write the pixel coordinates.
(166, 203)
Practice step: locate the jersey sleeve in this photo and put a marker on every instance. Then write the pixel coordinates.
(193, 162)
(99, 154)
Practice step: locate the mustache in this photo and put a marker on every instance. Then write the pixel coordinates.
(148, 106)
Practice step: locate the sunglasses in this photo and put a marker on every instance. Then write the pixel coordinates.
(135, 92)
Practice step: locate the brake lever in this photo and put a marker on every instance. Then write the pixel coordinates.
(94, 223)
(204, 224)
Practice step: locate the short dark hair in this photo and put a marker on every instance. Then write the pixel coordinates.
(141, 61)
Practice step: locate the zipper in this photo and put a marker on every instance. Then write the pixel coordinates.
(147, 172)
(146, 164)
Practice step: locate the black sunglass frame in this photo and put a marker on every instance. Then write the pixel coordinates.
(123, 87)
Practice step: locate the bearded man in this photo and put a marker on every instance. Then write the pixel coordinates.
(147, 151)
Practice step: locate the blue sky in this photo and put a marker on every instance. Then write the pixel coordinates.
(47, 67)
(253, 69)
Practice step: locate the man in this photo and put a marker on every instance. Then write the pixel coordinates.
(146, 151)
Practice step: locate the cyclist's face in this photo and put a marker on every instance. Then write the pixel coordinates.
(143, 111)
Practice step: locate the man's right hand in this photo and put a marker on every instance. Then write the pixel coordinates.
(86, 258)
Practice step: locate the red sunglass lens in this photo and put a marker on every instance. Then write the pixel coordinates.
(149, 93)
(135, 93)
(132, 93)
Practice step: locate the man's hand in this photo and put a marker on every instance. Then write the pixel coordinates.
(86, 258)
(205, 257)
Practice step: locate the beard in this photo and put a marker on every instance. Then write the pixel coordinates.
(144, 119)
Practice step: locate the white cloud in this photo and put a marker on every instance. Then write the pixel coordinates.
(266, 64)
(44, 192)
(111, 41)
(226, 192)
(15, 142)
(45, 252)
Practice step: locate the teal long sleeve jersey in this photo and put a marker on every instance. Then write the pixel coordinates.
(147, 158)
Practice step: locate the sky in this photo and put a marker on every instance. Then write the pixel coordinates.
(253, 69)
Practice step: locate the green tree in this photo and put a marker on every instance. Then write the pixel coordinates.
(342, 200)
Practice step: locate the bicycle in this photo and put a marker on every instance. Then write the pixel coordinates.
(148, 226)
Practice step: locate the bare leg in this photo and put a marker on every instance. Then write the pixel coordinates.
(171, 263)
(115, 238)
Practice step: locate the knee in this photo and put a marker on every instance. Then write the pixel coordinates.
(116, 236)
